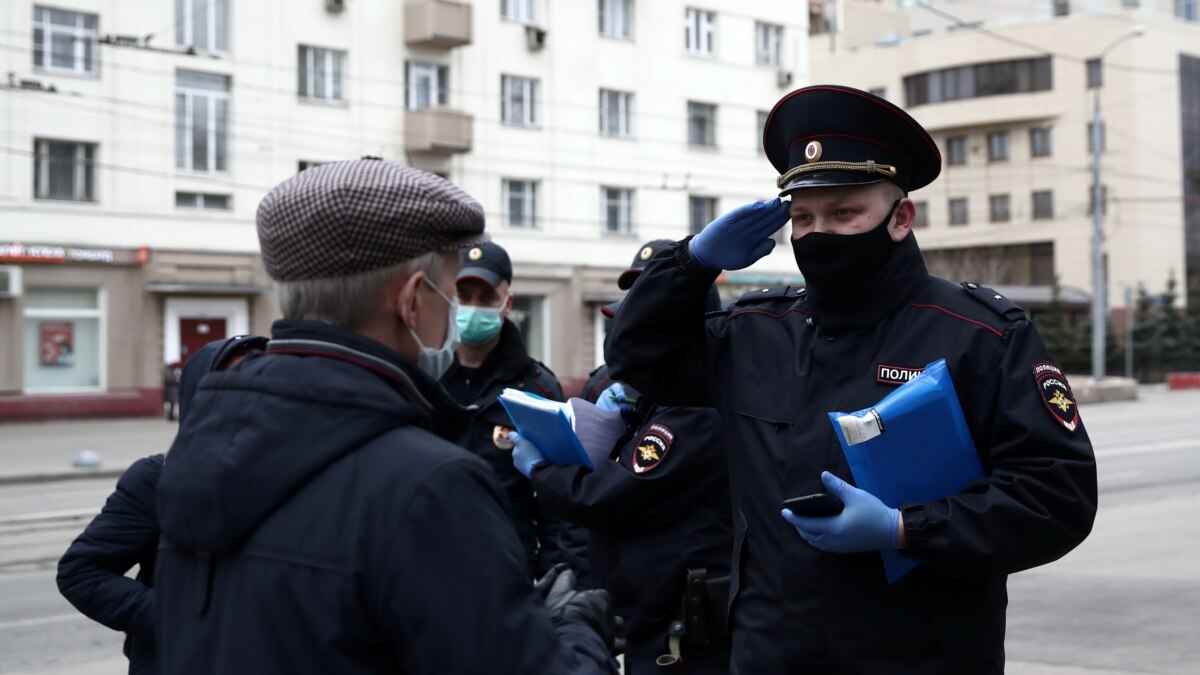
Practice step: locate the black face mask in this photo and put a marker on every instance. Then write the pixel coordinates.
(836, 265)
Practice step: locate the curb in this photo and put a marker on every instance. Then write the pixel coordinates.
(60, 476)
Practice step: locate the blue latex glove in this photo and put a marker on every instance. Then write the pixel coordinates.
(526, 456)
(615, 398)
(865, 524)
(742, 236)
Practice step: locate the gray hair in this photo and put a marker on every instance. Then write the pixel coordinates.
(349, 302)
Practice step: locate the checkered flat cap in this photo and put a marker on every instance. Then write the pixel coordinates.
(346, 218)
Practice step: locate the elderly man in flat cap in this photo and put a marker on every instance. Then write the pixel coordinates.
(313, 520)
(810, 591)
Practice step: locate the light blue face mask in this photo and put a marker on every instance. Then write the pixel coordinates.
(435, 362)
(478, 325)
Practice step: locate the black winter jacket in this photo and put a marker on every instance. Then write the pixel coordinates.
(314, 521)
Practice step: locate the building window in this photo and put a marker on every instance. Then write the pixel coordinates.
(768, 39)
(1043, 204)
(306, 164)
(201, 200)
(1095, 73)
(980, 79)
(921, 219)
(1186, 10)
(517, 10)
(529, 314)
(956, 150)
(520, 203)
(699, 28)
(320, 73)
(1040, 142)
(64, 42)
(763, 115)
(702, 124)
(881, 92)
(1103, 199)
(1091, 140)
(999, 210)
(202, 24)
(64, 170)
(615, 18)
(618, 210)
(997, 146)
(1062, 7)
(701, 212)
(518, 100)
(201, 121)
(64, 339)
(425, 85)
(616, 110)
(959, 212)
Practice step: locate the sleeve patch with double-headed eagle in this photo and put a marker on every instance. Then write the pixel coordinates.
(1056, 394)
(652, 449)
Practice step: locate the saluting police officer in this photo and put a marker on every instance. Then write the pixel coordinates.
(491, 357)
(659, 521)
(810, 594)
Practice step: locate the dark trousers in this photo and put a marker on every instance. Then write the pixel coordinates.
(711, 660)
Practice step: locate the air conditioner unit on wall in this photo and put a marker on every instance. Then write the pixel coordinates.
(10, 282)
(535, 37)
(784, 78)
(335, 5)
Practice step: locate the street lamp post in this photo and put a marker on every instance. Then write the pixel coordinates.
(1099, 284)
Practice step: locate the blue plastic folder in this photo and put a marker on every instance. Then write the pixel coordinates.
(911, 447)
(548, 425)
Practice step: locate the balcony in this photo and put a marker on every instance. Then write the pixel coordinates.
(437, 23)
(437, 130)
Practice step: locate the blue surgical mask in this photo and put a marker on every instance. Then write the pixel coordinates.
(435, 362)
(478, 325)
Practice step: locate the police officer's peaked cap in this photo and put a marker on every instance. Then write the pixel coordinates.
(829, 135)
(645, 252)
(488, 263)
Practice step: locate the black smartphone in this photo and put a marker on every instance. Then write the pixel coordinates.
(817, 505)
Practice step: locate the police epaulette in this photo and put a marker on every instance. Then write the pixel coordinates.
(994, 301)
(774, 293)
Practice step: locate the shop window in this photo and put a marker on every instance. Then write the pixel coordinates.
(64, 340)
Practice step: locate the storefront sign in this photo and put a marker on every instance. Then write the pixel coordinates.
(40, 253)
(57, 343)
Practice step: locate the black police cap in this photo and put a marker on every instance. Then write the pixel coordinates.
(487, 262)
(644, 254)
(830, 135)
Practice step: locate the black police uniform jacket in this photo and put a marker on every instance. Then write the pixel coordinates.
(547, 541)
(774, 374)
(91, 574)
(314, 522)
(658, 508)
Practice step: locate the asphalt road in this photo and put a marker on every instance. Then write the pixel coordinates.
(1126, 601)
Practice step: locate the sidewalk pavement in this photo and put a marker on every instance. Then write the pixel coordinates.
(43, 451)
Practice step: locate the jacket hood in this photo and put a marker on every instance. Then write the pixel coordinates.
(257, 433)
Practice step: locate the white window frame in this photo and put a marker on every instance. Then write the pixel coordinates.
(529, 198)
(616, 18)
(185, 22)
(526, 88)
(623, 200)
(235, 312)
(435, 76)
(81, 37)
(333, 74)
(623, 100)
(710, 140)
(1187, 10)
(201, 200)
(768, 44)
(79, 178)
(517, 10)
(100, 313)
(694, 226)
(700, 29)
(189, 100)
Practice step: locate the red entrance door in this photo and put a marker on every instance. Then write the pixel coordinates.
(195, 333)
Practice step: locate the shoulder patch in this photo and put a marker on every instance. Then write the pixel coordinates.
(994, 301)
(1055, 392)
(651, 450)
(773, 293)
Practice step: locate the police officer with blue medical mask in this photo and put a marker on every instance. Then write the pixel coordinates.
(491, 357)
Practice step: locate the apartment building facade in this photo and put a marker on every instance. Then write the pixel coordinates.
(138, 138)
